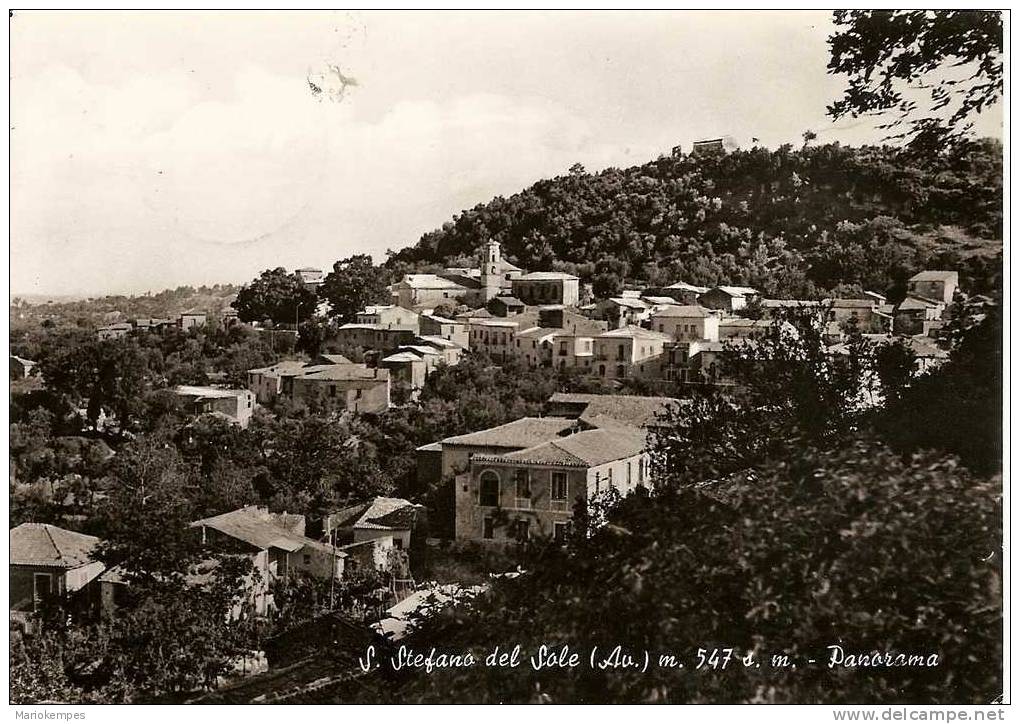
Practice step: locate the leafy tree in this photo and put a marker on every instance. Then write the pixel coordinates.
(275, 295)
(892, 57)
(354, 282)
(106, 376)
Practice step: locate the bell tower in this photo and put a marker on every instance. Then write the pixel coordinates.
(490, 261)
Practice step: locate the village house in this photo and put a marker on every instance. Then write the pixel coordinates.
(417, 290)
(267, 382)
(740, 328)
(686, 323)
(867, 314)
(680, 293)
(389, 316)
(590, 409)
(917, 316)
(727, 298)
(539, 288)
(395, 518)
(623, 311)
(47, 562)
(492, 336)
(629, 352)
(191, 320)
(938, 286)
(340, 387)
(506, 306)
(450, 353)
(570, 350)
(277, 551)
(21, 368)
(372, 337)
(229, 317)
(533, 347)
(411, 365)
(432, 325)
(714, 146)
(235, 406)
(311, 277)
(117, 330)
(532, 492)
(154, 325)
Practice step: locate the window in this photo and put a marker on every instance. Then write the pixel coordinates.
(559, 486)
(522, 529)
(398, 543)
(489, 489)
(629, 472)
(357, 394)
(42, 587)
(610, 477)
(487, 526)
(523, 483)
(619, 352)
(641, 470)
(332, 390)
(598, 483)
(307, 559)
(560, 531)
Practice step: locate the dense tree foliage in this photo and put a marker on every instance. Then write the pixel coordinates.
(889, 57)
(793, 223)
(354, 283)
(276, 296)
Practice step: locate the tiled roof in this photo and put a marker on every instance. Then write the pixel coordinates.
(735, 291)
(379, 514)
(344, 372)
(582, 449)
(510, 301)
(522, 433)
(934, 276)
(682, 310)
(789, 303)
(629, 302)
(636, 332)
(429, 281)
(684, 286)
(546, 277)
(337, 359)
(283, 367)
(633, 410)
(538, 332)
(213, 392)
(255, 528)
(916, 303)
(41, 544)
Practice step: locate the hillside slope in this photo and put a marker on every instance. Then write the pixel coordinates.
(791, 222)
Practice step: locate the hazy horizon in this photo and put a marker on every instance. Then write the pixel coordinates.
(151, 151)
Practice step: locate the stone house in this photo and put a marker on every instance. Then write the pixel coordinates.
(938, 286)
(47, 562)
(532, 492)
(236, 406)
(432, 325)
(727, 298)
(629, 352)
(389, 316)
(352, 387)
(547, 288)
(686, 323)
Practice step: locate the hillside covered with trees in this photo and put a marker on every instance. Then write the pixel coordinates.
(794, 223)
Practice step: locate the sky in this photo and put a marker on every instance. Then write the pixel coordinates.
(151, 150)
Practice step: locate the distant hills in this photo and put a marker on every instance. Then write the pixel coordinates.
(792, 222)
